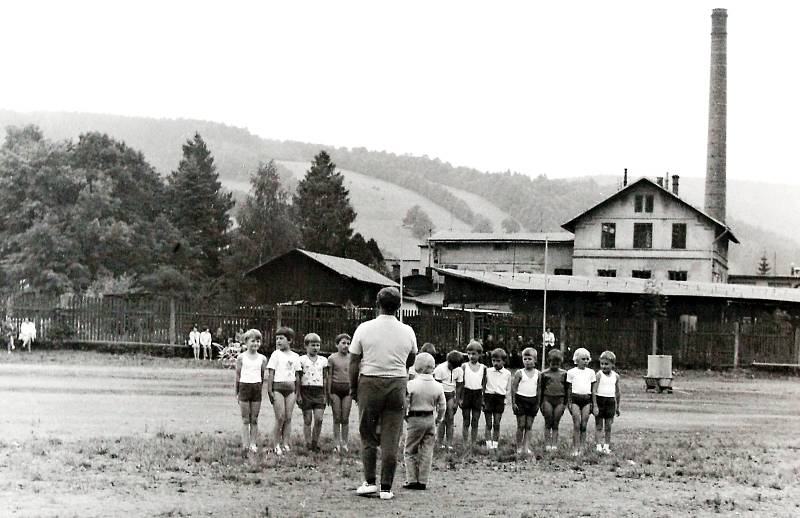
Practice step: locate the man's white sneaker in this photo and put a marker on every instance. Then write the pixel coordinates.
(387, 495)
(366, 489)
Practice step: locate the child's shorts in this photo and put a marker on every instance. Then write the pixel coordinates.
(249, 391)
(554, 401)
(472, 399)
(340, 389)
(283, 388)
(527, 405)
(494, 403)
(582, 400)
(606, 407)
(313, 397)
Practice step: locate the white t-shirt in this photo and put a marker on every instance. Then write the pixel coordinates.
(448, 378)
(607, 385)
(528, 386)
(497, 381)
(581, 380)
(194, 338)
(285, 364)
(384, 344)
(205, 338)
(312, 370)
(251, 367)
(473, 380)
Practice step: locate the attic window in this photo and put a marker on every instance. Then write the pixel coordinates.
(643, 203)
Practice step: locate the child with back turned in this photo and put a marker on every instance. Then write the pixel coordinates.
(554, 397)
(472, 395)
(606, 396)
(424, 396)
(525, 396)
(250, 368)
(314, 384)
(498, 381)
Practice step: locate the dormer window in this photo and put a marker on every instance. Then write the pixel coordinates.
(643, 203)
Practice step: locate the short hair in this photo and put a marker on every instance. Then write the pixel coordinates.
(474, 345)
(581, 352)
(499, 354)
(609, 356)
(428, 347)
(530, 351)
(340, 337)
(424, 363)
(251, 333)
(312, 337)
(555, 355)
(288, 332)
(389, 299)
(454, 357)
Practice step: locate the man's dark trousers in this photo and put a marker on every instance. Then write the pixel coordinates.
(381, 400)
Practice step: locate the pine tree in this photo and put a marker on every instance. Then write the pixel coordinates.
(198, 206)
(323, 208)
(763, 265)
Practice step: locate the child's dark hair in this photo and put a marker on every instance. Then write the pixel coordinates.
(340, 337)
(499, 354)
(454, 359)
(555, 356)
(288, 332)
(429, 348)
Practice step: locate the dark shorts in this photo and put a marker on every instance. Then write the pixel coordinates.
(472, 399)
(582, 400)
(249, 391)
(283, 387)
(340, 389)
(313, 397)
(527, 405)
(554, 401)
(494, 403)
(606, 407)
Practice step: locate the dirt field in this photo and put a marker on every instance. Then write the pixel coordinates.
(99, 435)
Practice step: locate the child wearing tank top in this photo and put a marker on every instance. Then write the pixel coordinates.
(471, 401)
(606, 396)
(250, 367)
(525, 392)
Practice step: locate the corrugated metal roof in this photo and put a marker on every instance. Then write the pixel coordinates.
(350, 268)
(435, 298)
(571, 283)
(521, 237)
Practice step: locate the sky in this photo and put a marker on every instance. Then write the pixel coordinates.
(563, 89)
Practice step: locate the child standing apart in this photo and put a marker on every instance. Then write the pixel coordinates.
(424, 395)
(554, 397)
(339, 391)
(450, 375)
(525, 396)
(498, 379)
(250, 368)
(471, 402)
(282, 385)
(314, 384)
(580, 385)
(606, 398)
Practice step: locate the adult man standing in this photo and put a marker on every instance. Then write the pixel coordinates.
(381, 351)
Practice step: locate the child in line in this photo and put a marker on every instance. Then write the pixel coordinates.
(471, 401)
(580, 385)
(194, 342)
(554, 397)
(313, 397)
(450, 375)
(525, 396)
(498, 379)
(424, 395)
(250, 367)
(339, 392)
(205, 343)
(606, 396)
(282, 386)
(427, 347)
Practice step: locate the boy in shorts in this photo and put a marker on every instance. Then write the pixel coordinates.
(498, 381)
(606, 396)
(471, 401)
(313, 397)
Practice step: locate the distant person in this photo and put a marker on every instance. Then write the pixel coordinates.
(549, 340)
(380, 354)
(205, 343)
(580, 386)
(451, 376)
(340, 400)
(314, 383)
(194, 341)
(554, 398)
(8, 333)
(525, 399)
(282, 386)
(27, 333)
(250, 369)
(471, 402)
(498, 382)
(606, 395)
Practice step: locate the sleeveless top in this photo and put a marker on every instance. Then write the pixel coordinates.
(527, 386)
(340, 367)
(473, 380)
(607, 385)
(251, 368)
(554, 383)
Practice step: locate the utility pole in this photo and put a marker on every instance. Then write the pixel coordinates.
(544, 307)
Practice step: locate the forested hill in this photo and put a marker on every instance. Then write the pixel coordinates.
(537, 203)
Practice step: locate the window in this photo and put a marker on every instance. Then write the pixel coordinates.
(679, 235)
(642, 235)
(648, 203)
(563, 271)
(643, 202)
(414, 271)
(637, 203)
(606, 273)
(641, 274)
(678, 275)
(608, 235)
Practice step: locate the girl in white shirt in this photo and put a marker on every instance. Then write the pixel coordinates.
(498, 380)
(606, 398)
(525, 397)
(250, 367)
(580, 383)
(282, 386)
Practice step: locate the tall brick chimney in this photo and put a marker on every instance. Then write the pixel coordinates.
(717, 116)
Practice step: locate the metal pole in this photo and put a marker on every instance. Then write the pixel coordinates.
(544, 307)
(401, 275)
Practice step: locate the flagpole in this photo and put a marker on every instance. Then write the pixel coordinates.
(544, 307)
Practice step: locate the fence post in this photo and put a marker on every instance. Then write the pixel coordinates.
(471, 316)
(562, 332)
(736, 340)
(278, 314)
(172, 334)
(797, 345)
(655, 336)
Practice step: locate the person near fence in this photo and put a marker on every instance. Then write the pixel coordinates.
(194, 341)
(606, 396)
(580, 384)
(283, 383)
(427, 406)
(554, 397)
(314, 384)
(340, 400)
(250, 368)
(8, 333)
(381, 351)
(27, 333)
(549, 339)
(525, 396)
(451, 376)
(498, 382)
(471, 402)
(205, 343)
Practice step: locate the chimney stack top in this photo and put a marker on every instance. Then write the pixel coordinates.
(675, 180)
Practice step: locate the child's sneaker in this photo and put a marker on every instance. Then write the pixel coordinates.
(366, 489)
(253, 448)
(278, 450)
(599, 448)
(606, 449)
(286, 448)
(576, 453)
